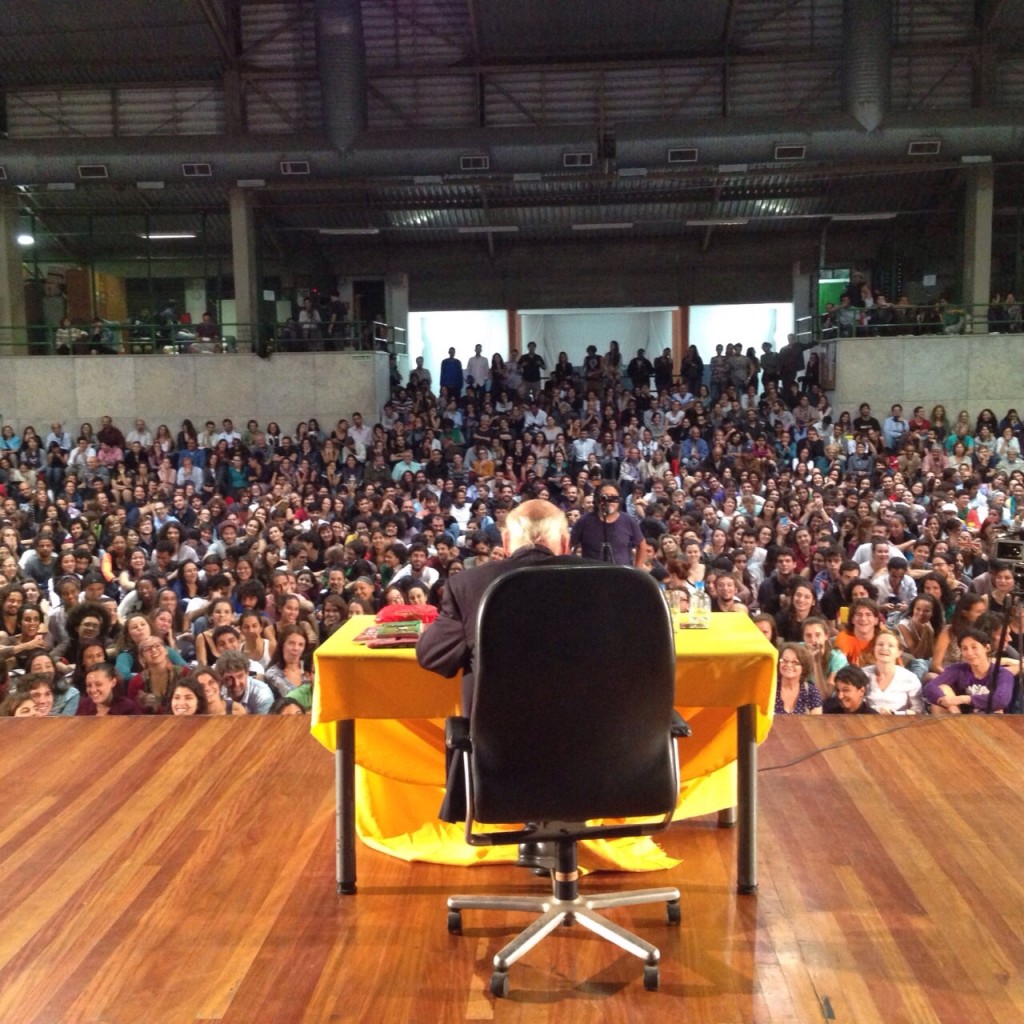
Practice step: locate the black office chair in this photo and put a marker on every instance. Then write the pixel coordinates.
(572, 721)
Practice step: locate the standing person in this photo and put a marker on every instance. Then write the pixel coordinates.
(451, 375)
(719, 372)
(691, 369)
(531, 365)
(593, 371)
(309, 324)
(207, 335)
(478, 371)
(769, 365)
(791, 361)
(607, 535)
(662, 371)
(640, 369)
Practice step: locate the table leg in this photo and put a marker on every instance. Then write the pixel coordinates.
(345, 806)
(727, 817)
(746, 785)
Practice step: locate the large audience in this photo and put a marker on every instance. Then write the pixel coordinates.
(194, 571)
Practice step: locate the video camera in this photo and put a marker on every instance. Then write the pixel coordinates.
(1011, 549)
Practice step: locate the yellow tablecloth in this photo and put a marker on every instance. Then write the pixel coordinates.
(400, 737)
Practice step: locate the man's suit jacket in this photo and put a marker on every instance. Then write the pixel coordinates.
(447, 645)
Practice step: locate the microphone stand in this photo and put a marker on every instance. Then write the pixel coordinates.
(1014, 706)
(602, 512)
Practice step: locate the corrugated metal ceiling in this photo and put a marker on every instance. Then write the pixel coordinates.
(149, 68)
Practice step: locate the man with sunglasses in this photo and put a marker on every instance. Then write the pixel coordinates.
(606, 534)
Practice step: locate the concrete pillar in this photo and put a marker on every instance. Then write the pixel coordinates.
(243, 265)
(396, 302)
(977, 254)
(12, 280)
(804, 303)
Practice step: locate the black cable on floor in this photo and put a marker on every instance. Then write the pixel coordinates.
(916, 721)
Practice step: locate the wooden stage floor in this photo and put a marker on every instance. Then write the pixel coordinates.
(182, 871)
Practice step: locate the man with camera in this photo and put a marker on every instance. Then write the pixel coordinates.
(606, 534)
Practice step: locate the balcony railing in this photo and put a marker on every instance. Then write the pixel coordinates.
(140, 338)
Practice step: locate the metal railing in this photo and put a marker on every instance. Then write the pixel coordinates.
(936, 318)
(153, 338)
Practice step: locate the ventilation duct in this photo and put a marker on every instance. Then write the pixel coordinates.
(867, 31)
(576, 160)
(736, 146)
(341, 59)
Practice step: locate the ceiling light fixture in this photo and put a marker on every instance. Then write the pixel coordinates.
(710, 222)
(165, 236)
(864, 216)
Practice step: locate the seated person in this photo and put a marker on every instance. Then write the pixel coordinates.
(966, 686)
(850, 697)
(104, 694)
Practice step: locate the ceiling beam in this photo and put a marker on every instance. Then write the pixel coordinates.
(218, 28)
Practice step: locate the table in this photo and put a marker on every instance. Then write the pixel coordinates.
(725, 688)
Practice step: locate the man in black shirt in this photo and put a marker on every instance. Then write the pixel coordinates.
(663, 371)
(865, 421)
(640, 369)
(607, 524)
(531, 365)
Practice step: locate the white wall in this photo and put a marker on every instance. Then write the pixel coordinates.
(432, 334)
(749, 324)
(572, 330)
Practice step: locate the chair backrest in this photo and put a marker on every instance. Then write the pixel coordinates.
(573, 694)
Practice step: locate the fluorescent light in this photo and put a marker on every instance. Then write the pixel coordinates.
(976, 159)
(251, 182)
(60, 186)
(733, 168)
(152, 186)
(527, 176)
(632, 172)
(615, 226)
(487, 230)
(164, 236)
(427, 179)
(25, 239)
(723, 223)
(864, 216)
(349, 231)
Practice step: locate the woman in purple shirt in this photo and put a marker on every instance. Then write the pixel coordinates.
(965, 686)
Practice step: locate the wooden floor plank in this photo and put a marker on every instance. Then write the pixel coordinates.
(183, 871)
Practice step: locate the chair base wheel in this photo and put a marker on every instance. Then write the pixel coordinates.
(499, 984)
(651, 977)
(674, 911)
(454, 922)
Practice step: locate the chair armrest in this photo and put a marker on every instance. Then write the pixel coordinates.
(456, 733)
(679, 728)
